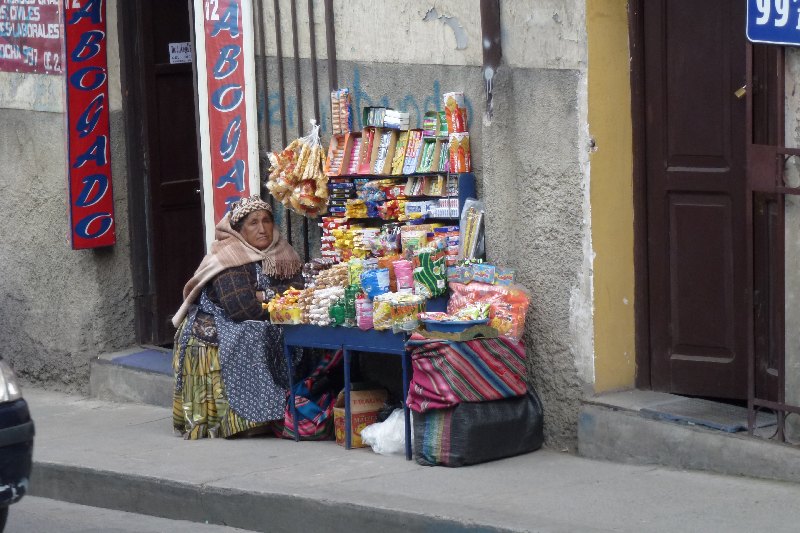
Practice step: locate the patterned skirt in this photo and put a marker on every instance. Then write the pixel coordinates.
(200, 410)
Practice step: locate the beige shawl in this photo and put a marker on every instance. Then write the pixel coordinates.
(229, 249)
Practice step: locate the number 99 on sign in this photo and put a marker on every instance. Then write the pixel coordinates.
(778, 12)
(774, 21)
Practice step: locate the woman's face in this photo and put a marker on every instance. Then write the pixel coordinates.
(257, 229)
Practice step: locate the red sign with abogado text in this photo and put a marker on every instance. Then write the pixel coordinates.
(91, 197)
(227, 120)
(30, 36)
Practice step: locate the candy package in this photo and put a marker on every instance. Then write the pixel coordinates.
(483, 273)
(504, 276)
(459, 274)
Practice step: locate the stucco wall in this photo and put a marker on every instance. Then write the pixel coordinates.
(531, 159)
(59, 307)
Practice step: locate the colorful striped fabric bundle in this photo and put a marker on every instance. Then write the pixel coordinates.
(447, 373)
(314, 409)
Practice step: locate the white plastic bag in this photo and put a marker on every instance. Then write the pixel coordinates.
(387, 437)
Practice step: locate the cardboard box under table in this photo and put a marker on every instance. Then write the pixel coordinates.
(364, 408)
(349, 340)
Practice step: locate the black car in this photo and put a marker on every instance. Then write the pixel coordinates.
(16, 442)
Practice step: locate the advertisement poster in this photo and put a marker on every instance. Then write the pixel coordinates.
(226, 96)
(91, 199)
(30, 36)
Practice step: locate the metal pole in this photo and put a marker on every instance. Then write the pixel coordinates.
(298, 88)
(330, 39)
(282, 91)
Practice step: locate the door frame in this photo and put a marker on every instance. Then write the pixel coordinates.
(132, 67)
(640, 246)
(135, 46)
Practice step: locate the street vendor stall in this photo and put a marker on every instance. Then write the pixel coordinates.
(402, 254)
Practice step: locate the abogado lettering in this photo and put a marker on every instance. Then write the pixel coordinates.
(226, 102)
(90, 191)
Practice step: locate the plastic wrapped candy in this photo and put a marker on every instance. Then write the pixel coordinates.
(507, 305)
(405, 311)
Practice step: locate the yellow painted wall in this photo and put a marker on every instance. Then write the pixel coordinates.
(609, 93)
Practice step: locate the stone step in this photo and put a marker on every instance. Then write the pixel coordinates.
(620, 427)
(141, 374)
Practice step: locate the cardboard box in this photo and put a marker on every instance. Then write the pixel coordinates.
(364, 408)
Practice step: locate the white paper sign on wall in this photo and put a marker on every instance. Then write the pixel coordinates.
(180, 53)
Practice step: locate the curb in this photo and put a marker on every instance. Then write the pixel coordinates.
(252, 511)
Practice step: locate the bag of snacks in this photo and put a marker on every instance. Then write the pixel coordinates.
(382, 312)
(508, 305)
(364, 313)
(430, 277)
(297, 178)
(404, 274)
(375, 282)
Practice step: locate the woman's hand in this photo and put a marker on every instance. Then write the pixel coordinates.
(261, 296)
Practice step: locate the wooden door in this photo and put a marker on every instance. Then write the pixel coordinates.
(694, 61)
(174, 177)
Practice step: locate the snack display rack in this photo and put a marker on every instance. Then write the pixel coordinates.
(403, 221)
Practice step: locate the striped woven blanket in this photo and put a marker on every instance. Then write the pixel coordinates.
(447, 373)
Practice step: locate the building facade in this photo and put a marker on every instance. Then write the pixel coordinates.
(567, 149)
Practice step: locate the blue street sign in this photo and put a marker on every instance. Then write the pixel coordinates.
(774, 21)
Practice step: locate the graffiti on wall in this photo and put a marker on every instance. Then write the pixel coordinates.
(91, 197)
(415, 104)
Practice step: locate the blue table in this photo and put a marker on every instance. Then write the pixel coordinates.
(348, 340)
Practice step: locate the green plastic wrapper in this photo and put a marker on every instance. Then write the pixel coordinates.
(336, 313)
(430, 278)
(350, 294)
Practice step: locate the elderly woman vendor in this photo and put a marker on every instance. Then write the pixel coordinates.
(230, 375)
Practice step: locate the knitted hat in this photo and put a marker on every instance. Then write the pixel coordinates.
(245, 206)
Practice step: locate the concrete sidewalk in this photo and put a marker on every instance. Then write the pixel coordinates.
(124, 456)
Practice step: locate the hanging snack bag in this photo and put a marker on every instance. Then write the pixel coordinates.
(297, 178)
